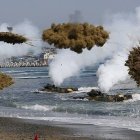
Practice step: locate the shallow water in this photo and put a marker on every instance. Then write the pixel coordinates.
(20, 101)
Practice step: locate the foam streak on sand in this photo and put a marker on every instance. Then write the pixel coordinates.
(58, 132)
(127, 123)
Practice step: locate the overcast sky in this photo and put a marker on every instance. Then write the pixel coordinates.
(44, 12)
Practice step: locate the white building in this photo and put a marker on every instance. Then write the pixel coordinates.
(49, 55)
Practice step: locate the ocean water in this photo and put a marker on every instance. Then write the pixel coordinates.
(21, 101)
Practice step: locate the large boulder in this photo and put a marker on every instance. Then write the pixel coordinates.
(99, 96)
(53, 88)
(93, 95)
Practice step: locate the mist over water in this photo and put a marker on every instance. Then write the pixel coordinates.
(124, 34)
(20, 101)
(26, 29)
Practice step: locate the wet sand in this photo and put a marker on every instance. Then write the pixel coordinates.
(18, 129)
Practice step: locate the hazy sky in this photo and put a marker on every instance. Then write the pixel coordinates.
(44, 12)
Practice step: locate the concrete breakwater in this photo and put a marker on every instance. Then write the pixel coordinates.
(23, 64)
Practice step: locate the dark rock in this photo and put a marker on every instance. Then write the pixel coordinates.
(127, 97)
(99, 96)
(94, 93)
(80, 98)
(53, 88)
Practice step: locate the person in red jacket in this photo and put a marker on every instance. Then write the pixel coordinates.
(36, 137)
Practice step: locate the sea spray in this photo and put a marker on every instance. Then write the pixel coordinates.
(26, 29)
(124, 34)
(68, 63)
(112, 72)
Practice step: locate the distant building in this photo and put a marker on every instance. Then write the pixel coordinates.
(42, 59)
(46, 49)
(48, 56)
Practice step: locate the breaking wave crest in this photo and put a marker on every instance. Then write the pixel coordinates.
(38, 107)
(32, 77)
(86, 89)
(135, 97)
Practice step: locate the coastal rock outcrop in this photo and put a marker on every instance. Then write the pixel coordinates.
(93, 95)
(53, 88)
(99, 96)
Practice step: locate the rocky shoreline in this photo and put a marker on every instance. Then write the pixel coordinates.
(93, 95)
(53, 88)
(99, 96)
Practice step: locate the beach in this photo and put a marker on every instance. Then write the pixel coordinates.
(60, 117)
(20, 129)
(70, 70)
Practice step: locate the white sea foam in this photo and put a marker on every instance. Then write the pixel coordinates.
(135, 97)
(38, 107)
(31, 77)
(86, 89)
(128, 123)
(13, 71)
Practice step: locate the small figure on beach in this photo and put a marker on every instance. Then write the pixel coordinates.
(36, 137)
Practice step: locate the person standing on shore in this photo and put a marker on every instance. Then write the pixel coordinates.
(36, 137)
